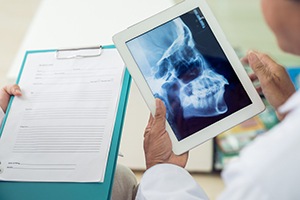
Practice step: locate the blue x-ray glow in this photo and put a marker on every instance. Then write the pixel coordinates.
(184, 64)
(173, 67)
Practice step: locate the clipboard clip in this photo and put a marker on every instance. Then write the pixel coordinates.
(84, 52)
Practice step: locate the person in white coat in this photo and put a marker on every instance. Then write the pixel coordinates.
(266, 169)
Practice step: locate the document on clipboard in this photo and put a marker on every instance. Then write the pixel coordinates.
(60, 129)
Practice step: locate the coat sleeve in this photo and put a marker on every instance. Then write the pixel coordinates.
(167, 181)
(267, 169)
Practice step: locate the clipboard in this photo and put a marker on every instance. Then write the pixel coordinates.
(75, 191)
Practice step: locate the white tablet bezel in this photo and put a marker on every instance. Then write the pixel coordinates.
(211, 131)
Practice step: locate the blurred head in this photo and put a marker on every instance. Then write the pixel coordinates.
(283, 17)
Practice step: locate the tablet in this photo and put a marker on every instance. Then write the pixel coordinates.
(182, 57)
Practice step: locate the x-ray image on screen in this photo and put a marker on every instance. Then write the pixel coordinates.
(184, 66)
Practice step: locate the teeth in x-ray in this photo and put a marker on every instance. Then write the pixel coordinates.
(204, 96)
(204, 102)
(178, 73)
(182, 66)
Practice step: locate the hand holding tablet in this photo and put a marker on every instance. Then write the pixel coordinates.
(182, 57)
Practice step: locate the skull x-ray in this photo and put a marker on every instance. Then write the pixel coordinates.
(186, 68)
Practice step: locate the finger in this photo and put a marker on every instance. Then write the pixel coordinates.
(259, 90)
(266, 59)
(244, 60)
(159, 123)
(259, 68)
(150, 120)
(13, 90)
(255, 83)
(253, 77)
(149, 125)
(16, 91)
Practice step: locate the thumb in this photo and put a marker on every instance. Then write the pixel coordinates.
(15, 90)
(258, 67)
(160, 116)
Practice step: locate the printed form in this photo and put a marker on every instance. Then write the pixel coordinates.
(60, 129)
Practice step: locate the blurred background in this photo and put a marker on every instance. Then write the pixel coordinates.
(46, 24)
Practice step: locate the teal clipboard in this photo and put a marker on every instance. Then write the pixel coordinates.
(73, 191)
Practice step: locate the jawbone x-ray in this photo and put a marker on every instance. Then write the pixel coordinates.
(184, 66)
(182, 70)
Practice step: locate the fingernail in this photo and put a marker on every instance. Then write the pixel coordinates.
(18, 91)
(252, 57)
(157, 103)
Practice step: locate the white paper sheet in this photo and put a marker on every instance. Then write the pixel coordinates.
(61, 127)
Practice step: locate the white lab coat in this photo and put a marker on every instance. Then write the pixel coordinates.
(267, 169)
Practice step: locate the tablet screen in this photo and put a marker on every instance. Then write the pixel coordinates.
(184, 65)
